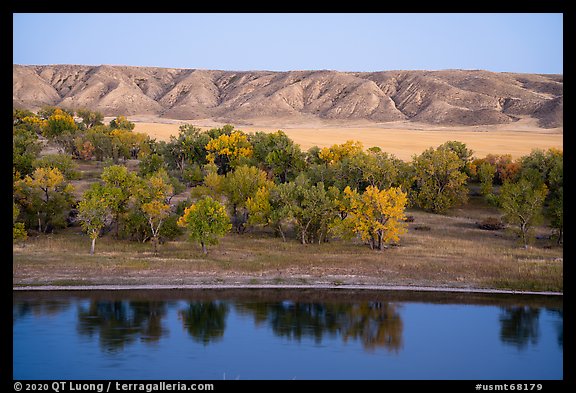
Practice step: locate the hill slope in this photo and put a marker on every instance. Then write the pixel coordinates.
(450, 97)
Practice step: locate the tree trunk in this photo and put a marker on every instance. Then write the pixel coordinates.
(93, 246)
(155, 244)
(524, 230)
(281, 233)
(204, 250)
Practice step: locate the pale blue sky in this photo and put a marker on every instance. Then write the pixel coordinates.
(528, 42)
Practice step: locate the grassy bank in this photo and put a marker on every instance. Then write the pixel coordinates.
(438, 250)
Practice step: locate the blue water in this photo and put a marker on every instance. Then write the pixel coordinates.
(238, 336)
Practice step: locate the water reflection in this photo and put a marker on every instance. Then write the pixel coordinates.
(519, 326)
(119, 323)
(374, 324)
(38, 308)
(256, 334)
(378, 324)
(558, 324)
(205, 321)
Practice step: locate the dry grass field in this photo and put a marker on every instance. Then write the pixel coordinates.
(452, 252)
(397, 139)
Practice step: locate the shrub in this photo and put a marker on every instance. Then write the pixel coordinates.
(491, 224)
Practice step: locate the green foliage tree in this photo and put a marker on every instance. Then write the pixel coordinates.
(48, 110)
(156, 212)
(206, 222)
(94, 212)
(439, 183)
(18, 115)
(311, 207)
(555, 197)
(463, 153)
(267, 208)
(150, 164)
(154, 196)
(25, 149)
(46, 197)
(381, 170)
(547, 168)
(90, 118)
(63, 162)
(59, 123)
(119, 184)
(99, 141)
(278, 155)
(240, 185)
(486, 173)
(186, 149)
(522, 204)
(121, 122)
(18, 230)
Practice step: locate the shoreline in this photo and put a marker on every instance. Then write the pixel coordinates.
(280, 286)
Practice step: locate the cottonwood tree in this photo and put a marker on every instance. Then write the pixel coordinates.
(311, 207)
(156, 212)
(486, 173)
(522, 203)
(229, 151)
(94, 213)
(46, 196)
(240, 185)
(18, 230)
(90, 118)
(121, 122)
(63, 162)
(439, 183)
(335, 153)
(154, 196)
(546, 167)
(268, 207)
(119, 183)
(381, 169)
(59, 123)
(206, 222)
(278, 155)
(376, 215)
(187, 149)
(25, 149)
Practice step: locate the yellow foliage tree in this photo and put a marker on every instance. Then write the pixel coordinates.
(227, 151)
(45, 194)
(154, 196)
(59, 123)
(376, 215)
(336, 153)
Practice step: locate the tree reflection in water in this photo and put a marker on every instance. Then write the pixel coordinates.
(205, 321)
(38, 308)
(375, 324)
(559, 324)
(519, 326)
(119, 323)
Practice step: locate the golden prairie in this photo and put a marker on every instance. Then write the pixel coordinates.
(403, 142)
